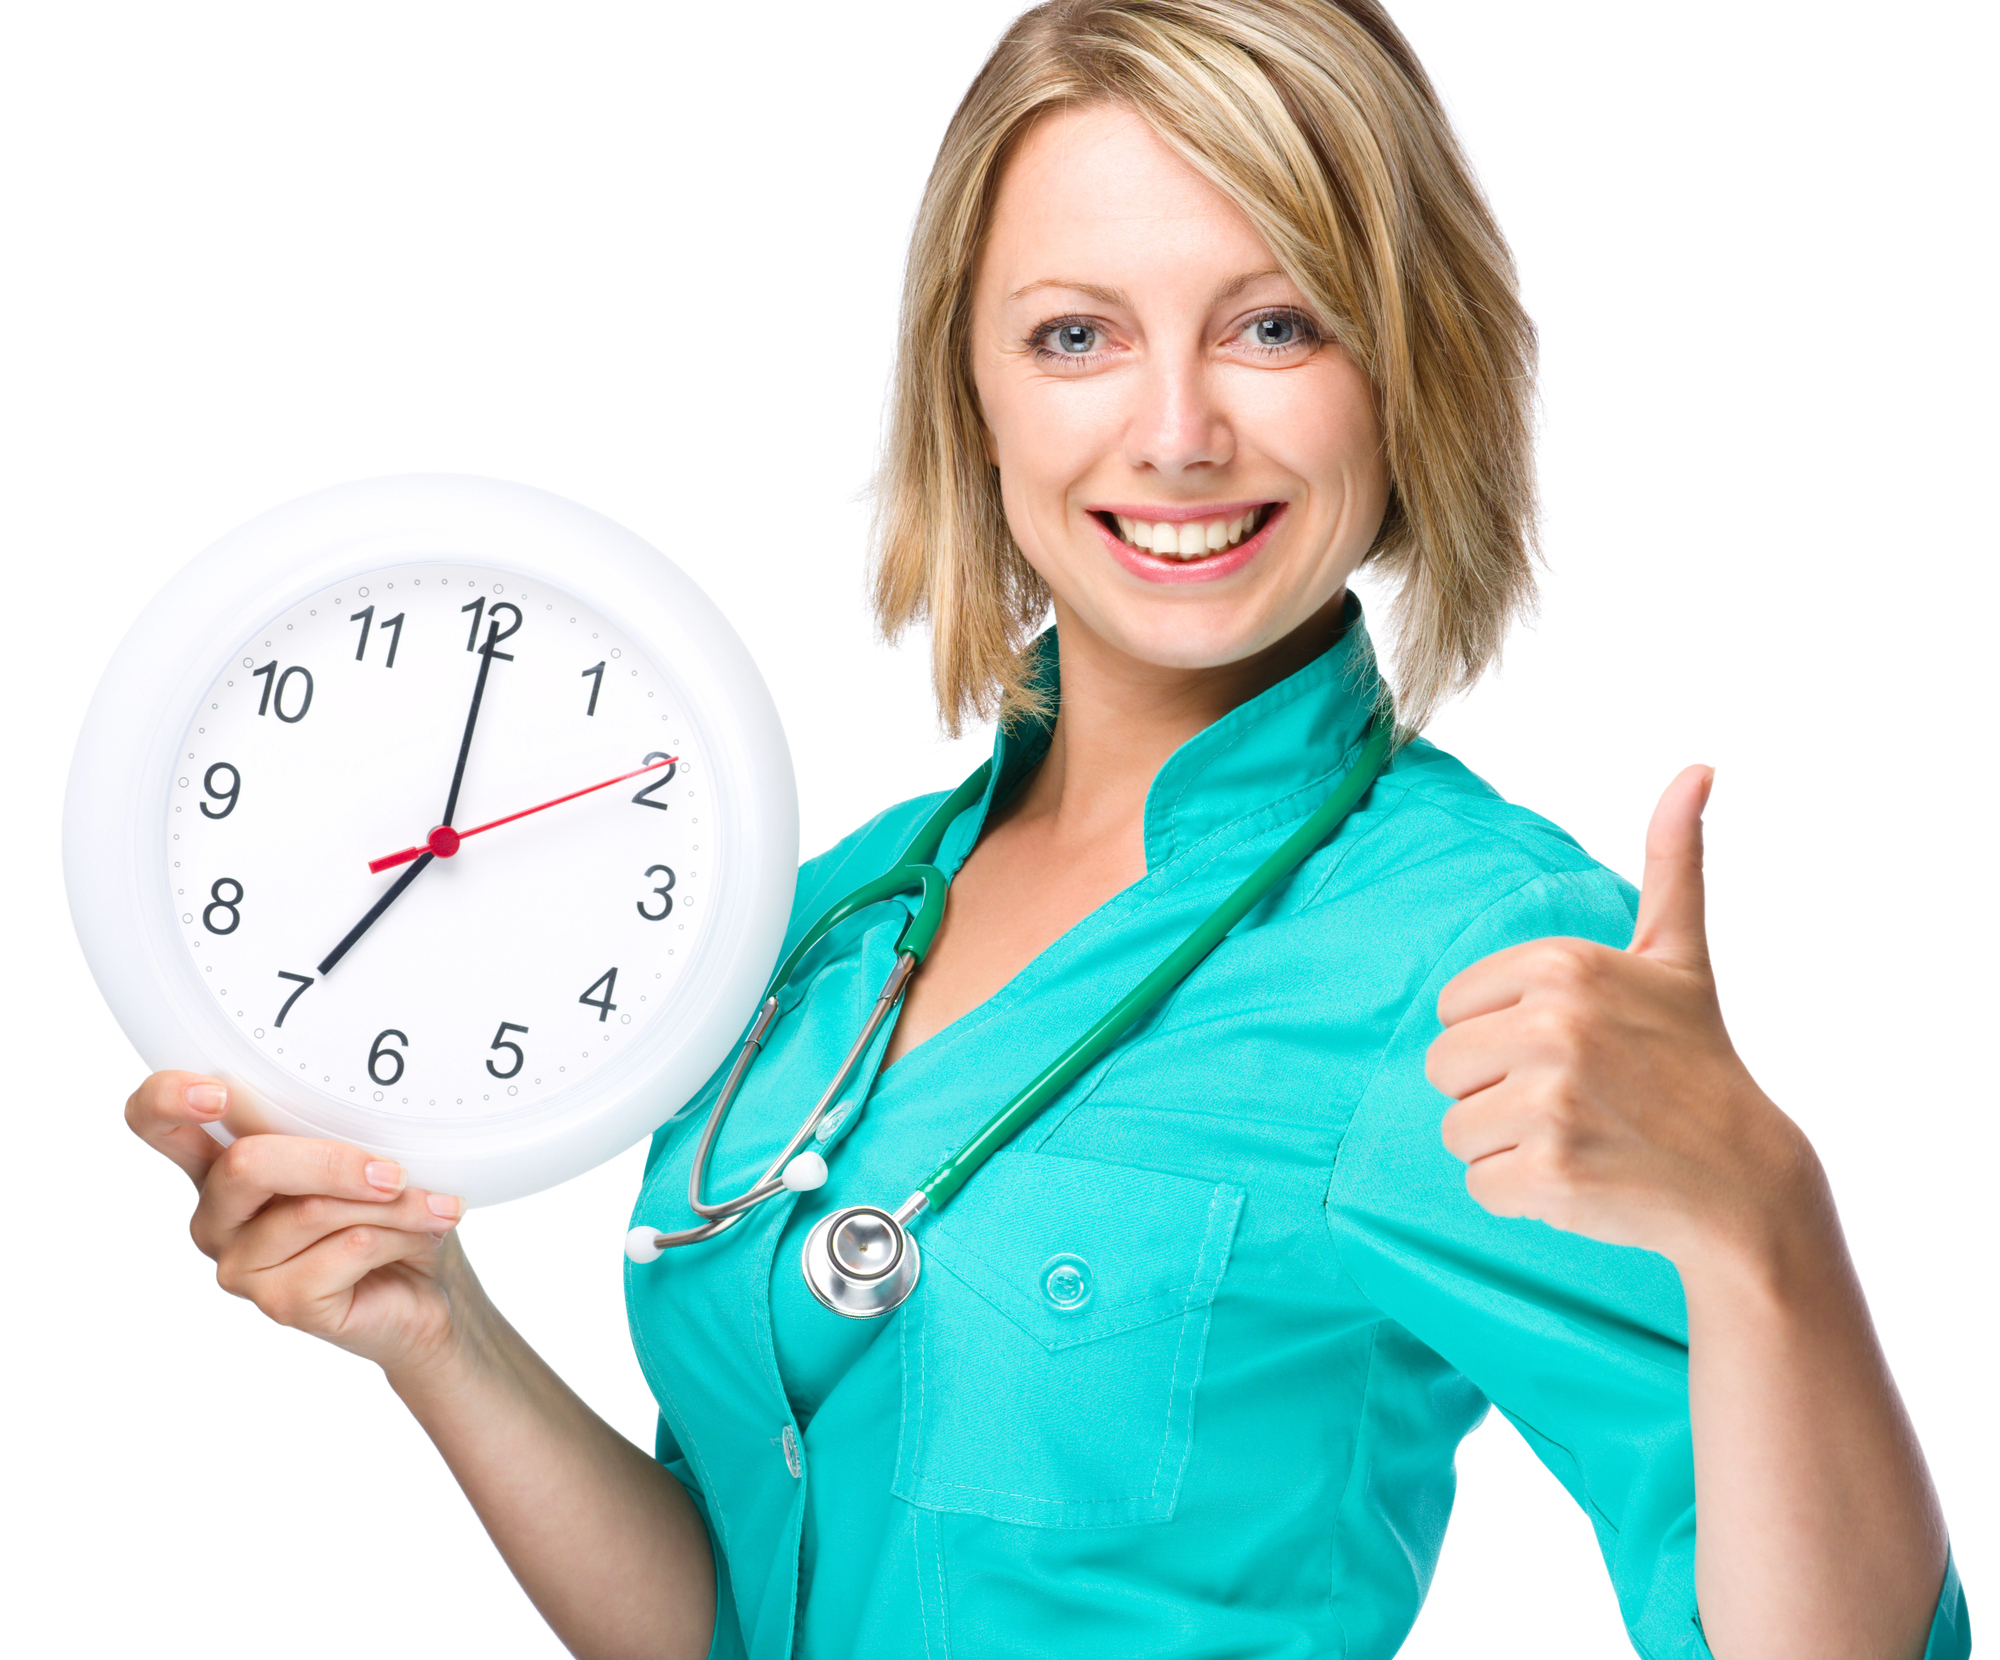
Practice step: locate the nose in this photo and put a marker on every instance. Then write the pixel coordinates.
(1178, 423)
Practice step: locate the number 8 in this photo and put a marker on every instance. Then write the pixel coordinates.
(221, 904)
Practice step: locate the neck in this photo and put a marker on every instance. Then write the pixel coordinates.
(1121, 718)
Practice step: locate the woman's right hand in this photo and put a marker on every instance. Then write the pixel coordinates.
(321, 1236)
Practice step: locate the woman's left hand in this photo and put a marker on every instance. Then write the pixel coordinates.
(1597, 1090)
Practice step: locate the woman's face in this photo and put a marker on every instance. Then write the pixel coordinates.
(1193, 471)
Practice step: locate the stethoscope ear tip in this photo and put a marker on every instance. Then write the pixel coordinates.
(805, 1173)
(642, 1245)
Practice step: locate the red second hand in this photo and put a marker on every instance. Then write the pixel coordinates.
(444, 841)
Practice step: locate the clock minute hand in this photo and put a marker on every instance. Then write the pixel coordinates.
(395, 890)
(486, 655)
(444, 841)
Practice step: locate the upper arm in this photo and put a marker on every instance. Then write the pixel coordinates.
(1582, 1345)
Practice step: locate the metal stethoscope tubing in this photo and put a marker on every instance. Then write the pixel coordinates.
(862, 1262)
(778, 1177)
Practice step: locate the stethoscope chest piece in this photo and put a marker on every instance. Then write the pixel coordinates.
(860, 1262)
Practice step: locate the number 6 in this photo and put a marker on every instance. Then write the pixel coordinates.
(378, 1054)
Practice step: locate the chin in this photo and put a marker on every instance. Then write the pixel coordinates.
(1203, 635)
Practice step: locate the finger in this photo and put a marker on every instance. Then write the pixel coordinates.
(1473, 1055)
(314, 1290)
(1500, 981)
(167, 1112)
(1671, 925)
(255, 1169)
(1503, 1184)
(1483, 1125)
(286, 1228)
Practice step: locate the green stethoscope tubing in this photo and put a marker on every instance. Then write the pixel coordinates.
(945, 1181)
(915, 872)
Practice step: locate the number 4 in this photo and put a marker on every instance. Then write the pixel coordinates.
(603, 1005)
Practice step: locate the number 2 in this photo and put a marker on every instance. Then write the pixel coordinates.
(645, 797)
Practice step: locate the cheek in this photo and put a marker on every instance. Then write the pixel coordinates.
(1046, 439)
(1321, 425)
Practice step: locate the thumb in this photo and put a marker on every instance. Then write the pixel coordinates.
(1671, 925)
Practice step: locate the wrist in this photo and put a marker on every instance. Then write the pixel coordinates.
(466, 1345)
(1777, 1245)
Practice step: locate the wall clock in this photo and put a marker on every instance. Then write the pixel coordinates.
(438, 815)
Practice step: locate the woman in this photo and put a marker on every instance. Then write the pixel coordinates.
(1203, 312)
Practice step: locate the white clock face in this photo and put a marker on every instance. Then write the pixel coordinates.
(475, 982)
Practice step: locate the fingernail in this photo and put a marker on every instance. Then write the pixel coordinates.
(206, 1097)
(443, 1204)
(388, 1177)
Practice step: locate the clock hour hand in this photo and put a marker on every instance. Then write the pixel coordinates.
(444, 841)
(395, 890)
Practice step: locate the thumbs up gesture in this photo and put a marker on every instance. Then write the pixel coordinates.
(1597, 1090)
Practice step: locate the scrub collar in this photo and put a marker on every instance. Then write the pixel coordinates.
(1290, 739)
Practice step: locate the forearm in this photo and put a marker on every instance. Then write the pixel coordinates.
(1819, 1533)
(606, 1543)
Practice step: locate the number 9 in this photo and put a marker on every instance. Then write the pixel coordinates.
(228, 795)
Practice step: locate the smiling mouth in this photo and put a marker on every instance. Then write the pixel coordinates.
(1188, 540)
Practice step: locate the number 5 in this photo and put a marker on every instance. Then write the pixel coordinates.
(500, 1042)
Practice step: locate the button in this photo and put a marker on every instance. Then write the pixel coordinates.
(829, 1126)
(1066, 1283)
(790, 1443)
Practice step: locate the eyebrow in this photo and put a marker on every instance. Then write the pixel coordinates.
(1118, 297)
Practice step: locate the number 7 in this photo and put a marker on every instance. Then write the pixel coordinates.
(304, 980)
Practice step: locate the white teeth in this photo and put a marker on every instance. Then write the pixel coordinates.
(1190, 539)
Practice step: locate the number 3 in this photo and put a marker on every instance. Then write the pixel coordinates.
(666, 897)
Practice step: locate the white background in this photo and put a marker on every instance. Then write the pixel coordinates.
(646, 256)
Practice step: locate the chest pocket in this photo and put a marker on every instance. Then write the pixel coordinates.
(1053, 1347)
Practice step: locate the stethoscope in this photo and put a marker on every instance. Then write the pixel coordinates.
(862, 1262)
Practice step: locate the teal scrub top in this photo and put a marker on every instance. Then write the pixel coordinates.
(1189, 1360)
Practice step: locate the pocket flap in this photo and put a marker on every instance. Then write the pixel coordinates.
(1073, 1250)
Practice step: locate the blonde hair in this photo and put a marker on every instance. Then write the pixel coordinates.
(1316, 120)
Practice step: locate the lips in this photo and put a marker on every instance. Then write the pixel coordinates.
(1219, 539)
(1182, 538)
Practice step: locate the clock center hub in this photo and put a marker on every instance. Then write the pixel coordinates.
(443, 841)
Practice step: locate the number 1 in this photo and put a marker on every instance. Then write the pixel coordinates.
(596, 686)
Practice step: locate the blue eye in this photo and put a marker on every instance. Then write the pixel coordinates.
(1075, 339)
(1275, 331)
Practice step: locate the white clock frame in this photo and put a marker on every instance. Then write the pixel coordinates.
(115, 813)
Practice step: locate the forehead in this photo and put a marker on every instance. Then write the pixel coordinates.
(1097, 187)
